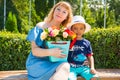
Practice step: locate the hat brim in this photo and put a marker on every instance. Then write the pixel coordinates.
(87, 29)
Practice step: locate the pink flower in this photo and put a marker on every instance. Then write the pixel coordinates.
(50, 29)
(54, 32)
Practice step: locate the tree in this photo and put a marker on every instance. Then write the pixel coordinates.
(15, 29)
(87, 14)
(11, 23)
(42, 7)
(22, 8)
(100, 18)
(110, 18)
(115, 6)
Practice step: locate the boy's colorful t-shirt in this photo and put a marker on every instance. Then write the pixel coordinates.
(79, 52)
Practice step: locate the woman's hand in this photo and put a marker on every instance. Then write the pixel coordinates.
(56, 52)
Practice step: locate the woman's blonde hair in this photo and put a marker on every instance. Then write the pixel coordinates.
(65, 5)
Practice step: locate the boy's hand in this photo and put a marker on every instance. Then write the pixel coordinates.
(93, 71)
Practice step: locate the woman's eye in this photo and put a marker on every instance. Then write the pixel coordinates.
(58, 9)
(64, 12)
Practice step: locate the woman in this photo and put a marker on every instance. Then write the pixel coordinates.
(38, 65)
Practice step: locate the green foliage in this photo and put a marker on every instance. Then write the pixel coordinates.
(100, 18)
(42, 7)
(15, 24)
(7, 34)
(14, 50)
(11, 23)
(22, 8)
(8, 22)
(115, 6)
(25, 29)
(87, 14)
(110, 18)
(106, 47)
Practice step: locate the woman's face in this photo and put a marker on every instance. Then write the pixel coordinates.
(60, 14)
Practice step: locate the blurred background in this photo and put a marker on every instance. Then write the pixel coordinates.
(24, 14)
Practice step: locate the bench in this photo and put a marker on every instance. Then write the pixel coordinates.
(104, 74)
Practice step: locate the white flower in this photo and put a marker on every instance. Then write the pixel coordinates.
(43, 35)
(65, 34)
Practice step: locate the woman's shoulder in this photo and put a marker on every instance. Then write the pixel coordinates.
(41, 25)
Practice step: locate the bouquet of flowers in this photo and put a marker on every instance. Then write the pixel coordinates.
(58, 38)
(55, 34)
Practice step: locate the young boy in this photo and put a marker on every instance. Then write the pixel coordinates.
(81, 51)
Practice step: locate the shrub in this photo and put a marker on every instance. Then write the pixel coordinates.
(14, 49)
(106, 47)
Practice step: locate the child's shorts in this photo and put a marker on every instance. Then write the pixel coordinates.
(83, 71)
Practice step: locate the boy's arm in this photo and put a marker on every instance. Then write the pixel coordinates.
(91, 61)
(91, 64)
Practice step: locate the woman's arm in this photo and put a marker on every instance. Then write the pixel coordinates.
(40, 52)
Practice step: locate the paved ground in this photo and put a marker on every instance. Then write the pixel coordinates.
(104, 74)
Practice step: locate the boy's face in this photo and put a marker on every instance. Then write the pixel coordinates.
(79, 29)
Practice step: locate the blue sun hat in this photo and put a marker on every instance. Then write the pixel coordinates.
(80, 19)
